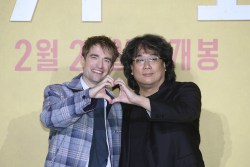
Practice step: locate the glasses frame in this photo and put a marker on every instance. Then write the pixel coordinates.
(143, 60)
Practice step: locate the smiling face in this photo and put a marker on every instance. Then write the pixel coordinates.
(148, 70)
(96, 65)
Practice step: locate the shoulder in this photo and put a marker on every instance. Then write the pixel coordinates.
(74, 84)
(187, 87)
(59, 90)
(56, 87)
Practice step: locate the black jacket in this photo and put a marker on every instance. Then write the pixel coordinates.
(170, 136)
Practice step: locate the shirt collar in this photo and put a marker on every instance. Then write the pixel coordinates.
(84, 85)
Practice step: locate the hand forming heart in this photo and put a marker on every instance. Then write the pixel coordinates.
(126, 95)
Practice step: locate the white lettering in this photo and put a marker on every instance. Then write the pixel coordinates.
(23, 10)
(91, 10)
(224, 10)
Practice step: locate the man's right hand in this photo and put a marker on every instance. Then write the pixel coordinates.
(98, 91)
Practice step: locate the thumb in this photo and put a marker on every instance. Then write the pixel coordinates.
(106, 97)
(115, 100)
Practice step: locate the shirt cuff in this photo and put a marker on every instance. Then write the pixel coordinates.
(149, 113)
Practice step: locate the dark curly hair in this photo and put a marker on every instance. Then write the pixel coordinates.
(148, 42)
(104, 42)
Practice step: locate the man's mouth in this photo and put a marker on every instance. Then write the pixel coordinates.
(147, 74)
(97, 71)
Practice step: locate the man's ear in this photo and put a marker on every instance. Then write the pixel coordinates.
(165, 66)
(132, 69)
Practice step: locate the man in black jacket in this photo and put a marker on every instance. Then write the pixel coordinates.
(161, 115)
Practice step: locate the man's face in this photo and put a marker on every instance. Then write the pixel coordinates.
(97, 65)
(148, 70)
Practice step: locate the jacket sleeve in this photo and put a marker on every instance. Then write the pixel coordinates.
(62, 107)
(184, 105)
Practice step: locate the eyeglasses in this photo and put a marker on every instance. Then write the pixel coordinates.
(142, 60)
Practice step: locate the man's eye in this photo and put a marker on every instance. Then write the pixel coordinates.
(153, 59)
(107, 60)
(139, 60)
(93, 57)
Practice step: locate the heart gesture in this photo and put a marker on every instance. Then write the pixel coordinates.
(128, 96)
(99, 90)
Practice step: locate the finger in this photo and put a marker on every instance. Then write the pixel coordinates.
(115, 100)
(94, 91)
(110, 80)
(122, 85)
(118, 80)
(108, 76)
(109, 100)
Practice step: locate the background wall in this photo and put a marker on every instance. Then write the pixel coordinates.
(213, 54)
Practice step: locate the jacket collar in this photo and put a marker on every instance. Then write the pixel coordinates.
(75, 83)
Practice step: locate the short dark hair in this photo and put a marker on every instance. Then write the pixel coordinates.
(148, 42)
(104, 42)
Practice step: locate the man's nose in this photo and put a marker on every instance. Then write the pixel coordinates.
(146, 64)
(100, 63)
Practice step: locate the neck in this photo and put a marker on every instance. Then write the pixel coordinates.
(147, 91)
(87, 82)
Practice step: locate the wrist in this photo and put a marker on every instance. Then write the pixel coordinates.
(144, 102)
